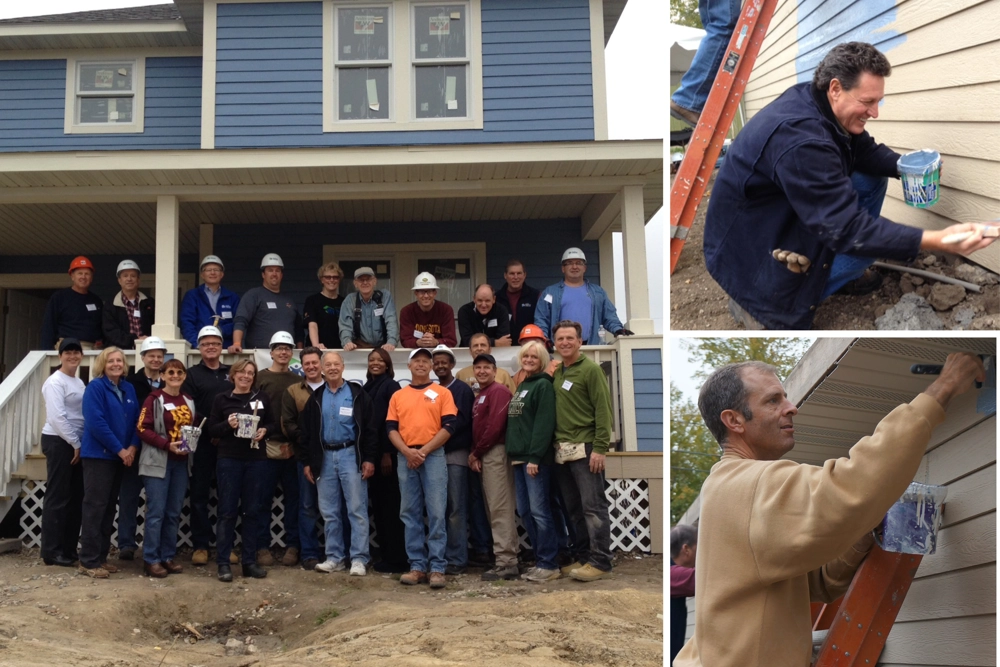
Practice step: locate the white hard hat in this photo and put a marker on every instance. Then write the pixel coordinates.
(574, 253)
(281, 338)
(443, 349)
(209, 331)
(425, 281)
(152, 343)
(212, 259)
(124, 265)
(271, 259)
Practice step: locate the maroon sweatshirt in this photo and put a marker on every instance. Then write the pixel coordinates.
(439, 321)
(489, 418)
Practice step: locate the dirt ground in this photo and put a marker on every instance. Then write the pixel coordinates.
(697, 301)
(54, 616)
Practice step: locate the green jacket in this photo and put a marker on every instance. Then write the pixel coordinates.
(531, 420)
(583, 404)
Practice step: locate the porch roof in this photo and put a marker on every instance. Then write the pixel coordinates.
(109, 197)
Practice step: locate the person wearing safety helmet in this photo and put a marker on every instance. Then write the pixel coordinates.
(528, 333)
(209, 304)
(579, 300)
(205, 380)
(427, 322)
(520, 298)
(265, 310)
(274, 382)
(74, 312)
(129, 318)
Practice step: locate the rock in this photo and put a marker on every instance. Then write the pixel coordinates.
(235, 647)
(923, 290)
(906, 283)
(985, 323)
(963, 316)
(881, 310)
(929, 260)
(976, 274)
(911, 313)
(519, 646)
(943, 296)
(917, 280)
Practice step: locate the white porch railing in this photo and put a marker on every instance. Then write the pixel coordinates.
(22, 415)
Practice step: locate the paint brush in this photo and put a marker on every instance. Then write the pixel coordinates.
(989, 232)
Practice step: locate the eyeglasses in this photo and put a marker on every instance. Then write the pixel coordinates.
(245, 372)
(867, 105)
(209, 344)
(173, 373)
(574, 262)
(331, 277)
(211, 270)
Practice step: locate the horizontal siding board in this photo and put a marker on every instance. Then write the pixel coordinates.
(542, 69)
(540, 24)
(519, 91)
(967, 592)
(506, 14)
(500, 116)
(249, 21)
(538, 103)
(272, 65)
(490, 50)
(654, 400)
(951, 641)
(963, 545)
(522, 37)
(263, 53)
(305, 77)
(649, 416)
(549, 81)
(647, 371)
(312, 30)
(522, 58)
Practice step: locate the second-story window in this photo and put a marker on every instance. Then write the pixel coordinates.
(363, 57)
(105, 92)
(441, 60)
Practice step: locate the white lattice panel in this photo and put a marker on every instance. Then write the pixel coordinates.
(629, 509)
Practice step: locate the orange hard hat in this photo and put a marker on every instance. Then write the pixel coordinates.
(530, 331)
(80, 262)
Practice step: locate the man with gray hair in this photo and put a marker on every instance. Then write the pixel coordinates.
(795, 211)
(774, 534)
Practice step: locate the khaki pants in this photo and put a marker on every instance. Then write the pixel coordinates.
(498, 492)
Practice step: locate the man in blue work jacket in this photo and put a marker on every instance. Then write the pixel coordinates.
(794, 214)
(209, 304)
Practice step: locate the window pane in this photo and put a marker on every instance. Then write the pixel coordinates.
(106, 77)
(363, 92)
(441, 91)
(439, 31)
(381, 267)
(454, 279)
(363, 33)
(105, 109)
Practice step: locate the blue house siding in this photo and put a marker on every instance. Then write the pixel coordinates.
(33, 99)
(647, 373)
(537, 80)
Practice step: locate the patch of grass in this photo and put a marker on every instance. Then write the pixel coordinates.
(471, 594)
(498, 582)
(327, 615)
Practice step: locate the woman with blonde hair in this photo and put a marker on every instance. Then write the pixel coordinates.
(322, 311)
(110, 413)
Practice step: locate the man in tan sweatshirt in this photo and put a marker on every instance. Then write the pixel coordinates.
(775, 534)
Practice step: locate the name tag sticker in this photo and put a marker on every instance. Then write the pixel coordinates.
(346, 412)
(482, 399)
(379, 312)
(136, 313)
(491, 323)
(272, 305)
(418, 334)
(256, 405)
(567, 385)
(431, 394)
(169, 406)
(91, 307)
(548, 298)
(227, 315)
(523, 393)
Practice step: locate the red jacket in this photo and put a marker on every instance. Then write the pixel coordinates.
(489, 418)
(439, 322)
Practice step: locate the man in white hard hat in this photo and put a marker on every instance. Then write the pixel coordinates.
(265, 310)
(579, 300)
(129, 318)
(274, 382)
(368, 316)
(209, 304)
(144, 379)
(205, 380)
(427, 322)
(74, 312)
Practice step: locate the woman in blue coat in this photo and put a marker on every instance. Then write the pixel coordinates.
(110, 440)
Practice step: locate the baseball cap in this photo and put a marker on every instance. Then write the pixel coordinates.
(364, 271)
(70, 344)
(443, 349)
(488, 358)
(419, 350)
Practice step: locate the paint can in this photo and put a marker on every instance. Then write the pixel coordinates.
(920, 172)
(911, 524)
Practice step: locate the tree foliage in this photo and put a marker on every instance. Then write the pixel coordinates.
(685, 12)
(693, 449)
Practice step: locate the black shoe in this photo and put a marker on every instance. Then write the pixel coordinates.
(61, 561)
(866, 284)
(254, 570)
(480, 559)
(508, 573)
(310, 563)
(225, 573)
(126, 554)
(454, 570)
(387, 567)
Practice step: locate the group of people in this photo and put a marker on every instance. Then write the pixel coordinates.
(365, 318)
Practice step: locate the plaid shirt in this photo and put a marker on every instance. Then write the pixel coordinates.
(132, 310)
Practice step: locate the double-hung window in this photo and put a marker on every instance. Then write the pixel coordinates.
(363, 57)
(441, 60)
(104, 96)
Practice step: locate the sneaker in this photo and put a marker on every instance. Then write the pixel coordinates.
(507, 573)
(541, 574)
(310, 564)
(225, 573)
(453, 570)
(413, 577)
(199, 557)
(94, 572)
(438, 580)
(330, 566)
(254, 570)
(569, 568)
(358, 568)
(234, 558)
(588, 573)
(264, 557)
(126, 554)
(291, 557)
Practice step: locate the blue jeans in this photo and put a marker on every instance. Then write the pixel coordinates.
(285, 471)
(240, 494)
(340, 482)
(871, 194)
(308, 517)
(164, 500)
(587, 504)
(457, 551)
(719, 17)
(539, 508)
(425, 488)
(480, 531)
(128, 505)
(524, 506)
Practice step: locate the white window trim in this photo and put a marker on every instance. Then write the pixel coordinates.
(389, 64)
(402, 107)
(70, 124)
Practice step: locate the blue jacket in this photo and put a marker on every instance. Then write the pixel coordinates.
(196, 312)
(602, 311)
(109, 424)
(786, 184)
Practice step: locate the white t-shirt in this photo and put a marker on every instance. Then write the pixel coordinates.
(64, 407)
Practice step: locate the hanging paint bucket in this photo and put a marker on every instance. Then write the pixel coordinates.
(911, 525)
(920, 172)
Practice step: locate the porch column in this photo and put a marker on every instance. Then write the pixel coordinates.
(607, 263)
(634, 246)
(167, 261)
